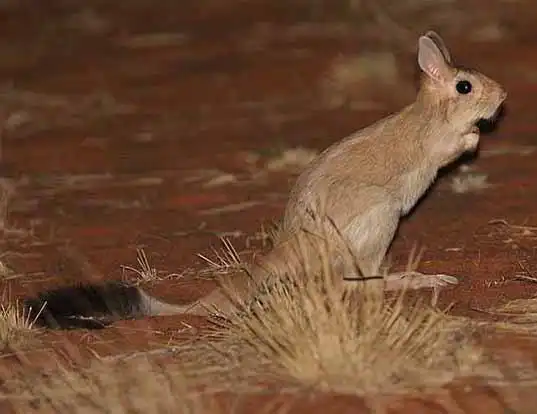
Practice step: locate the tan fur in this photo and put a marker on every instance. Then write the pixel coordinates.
(367, 181)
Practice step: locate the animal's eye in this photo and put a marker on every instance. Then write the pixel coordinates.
(464, 87)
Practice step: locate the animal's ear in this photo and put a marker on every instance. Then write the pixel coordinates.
(435, 37)
(432, 61)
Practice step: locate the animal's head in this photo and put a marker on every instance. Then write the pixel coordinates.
(462, 97)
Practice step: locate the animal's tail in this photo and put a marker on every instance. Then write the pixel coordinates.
(95, 306)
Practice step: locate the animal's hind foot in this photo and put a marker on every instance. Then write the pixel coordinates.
(415, 280)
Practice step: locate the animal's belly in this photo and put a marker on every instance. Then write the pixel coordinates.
(412, 187)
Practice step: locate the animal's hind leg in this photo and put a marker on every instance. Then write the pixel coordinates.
(369, 240)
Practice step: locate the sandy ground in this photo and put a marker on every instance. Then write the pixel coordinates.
(135, 127)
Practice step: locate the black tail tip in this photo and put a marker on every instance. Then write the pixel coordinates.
(88, 306)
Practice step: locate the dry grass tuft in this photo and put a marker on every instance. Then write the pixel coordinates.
(518, 316)
(227, 260)
(146, 272)
(5, 271)
(521, 315)
(265, 237)
(523, 306)
(17, 329)
(318, 333)
(134, 386)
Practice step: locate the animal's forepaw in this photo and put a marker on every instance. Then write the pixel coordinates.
(471, 140)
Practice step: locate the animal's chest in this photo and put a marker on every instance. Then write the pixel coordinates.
(413, 185)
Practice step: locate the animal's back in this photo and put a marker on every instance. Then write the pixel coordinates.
(351, 176)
